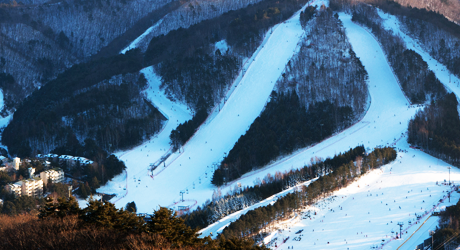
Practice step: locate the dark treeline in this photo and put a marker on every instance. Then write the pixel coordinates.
(448, 229)
(318, 73)
(180, 135)
(282, 127)
(251, 224)
(242, 197)
(436, 33)
(437, 129)
(12, 91)
(82, 101)
(101, 100)
(64, 225)
(91, 176)
(191, 66)
(417, 81)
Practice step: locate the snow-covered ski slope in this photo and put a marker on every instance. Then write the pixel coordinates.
(138, 159)
(193, 166)
(134, 44)
(219, 225)
(450, 81)
(384, 123)
(367, 212)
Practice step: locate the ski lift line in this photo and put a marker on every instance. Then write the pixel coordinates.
(423, 215)
(447, 241)
(414, 233)
(236, 83)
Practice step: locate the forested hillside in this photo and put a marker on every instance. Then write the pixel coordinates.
(437, 129)
(284, 126)
(242, 197)
(252, 223)
(417, 81)
(102, 100)
(326, 68)
(41, 40)
(322, 91)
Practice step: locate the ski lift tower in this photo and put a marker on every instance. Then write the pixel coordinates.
(400, 224)
(182, 192)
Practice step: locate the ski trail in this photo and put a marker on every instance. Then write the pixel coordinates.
(450, 81)
(191, 171)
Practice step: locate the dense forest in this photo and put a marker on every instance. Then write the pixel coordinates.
(242, 197)
(417, 81)
(326, 67)
(253, 222)
(283, 126)
(180, 135)
(190, 65)
(449, 228)
(437, 129)
(305, 111)
(62, 224)
(102, 100)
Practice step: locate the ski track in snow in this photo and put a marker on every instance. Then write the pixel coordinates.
(215, 137)
(134, 44)
(138, 159)
(450, 81)
(366, 213)
(385, 122)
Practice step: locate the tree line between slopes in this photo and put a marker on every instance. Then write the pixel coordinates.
(283, 127)
(65, 107)
(251, 224)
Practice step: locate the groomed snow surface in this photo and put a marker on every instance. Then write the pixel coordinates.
(385, 123)
(450, 81)
(367, 212)
(191, 169)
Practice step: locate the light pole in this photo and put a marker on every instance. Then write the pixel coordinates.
(449, 174)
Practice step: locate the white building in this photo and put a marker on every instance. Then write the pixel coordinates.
(15, 188)
(55, 174)
(16, 162)
(29, 187)
(31, 172)
(32, 187)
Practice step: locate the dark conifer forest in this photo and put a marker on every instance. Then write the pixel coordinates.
(284, 126)
(437, 129)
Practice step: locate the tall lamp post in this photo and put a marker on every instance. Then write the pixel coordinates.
(449, 174)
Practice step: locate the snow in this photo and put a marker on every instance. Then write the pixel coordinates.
(193, 166)
(134, 44)
(218, 226)
(365, 213)
(138, 159)
(385, 122)
(450, 81)
(222, 46)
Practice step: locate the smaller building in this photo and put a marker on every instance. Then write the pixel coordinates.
(15, 188)
(16, 162)
(32, 187)
(56, 175)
